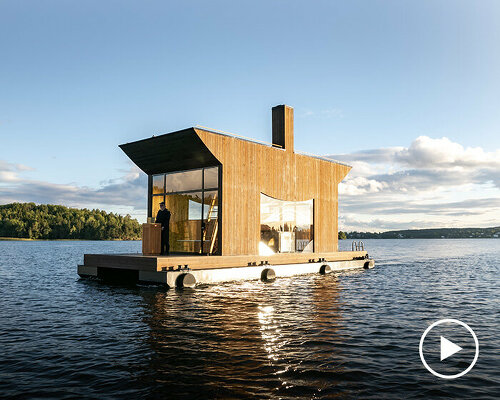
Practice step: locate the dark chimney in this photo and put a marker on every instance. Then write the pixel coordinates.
(283, 127)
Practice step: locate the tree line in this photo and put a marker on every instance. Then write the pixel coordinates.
(47, 221)
(440, 233)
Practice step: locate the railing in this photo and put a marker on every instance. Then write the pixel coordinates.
(357, 246)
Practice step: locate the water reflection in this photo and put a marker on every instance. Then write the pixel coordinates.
(347, 336)
(243, 339)
(202, 338)
(270, 331)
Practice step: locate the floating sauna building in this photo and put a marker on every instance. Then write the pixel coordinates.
(241, 202)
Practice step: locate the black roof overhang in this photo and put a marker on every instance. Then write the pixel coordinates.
(174, 151)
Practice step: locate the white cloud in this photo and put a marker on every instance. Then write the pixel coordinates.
(326, 113)
(9, 172)
(360, 186)
(432, 182)
(425, 152)
(127, 194)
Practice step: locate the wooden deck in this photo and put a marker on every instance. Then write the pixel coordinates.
(138, 262)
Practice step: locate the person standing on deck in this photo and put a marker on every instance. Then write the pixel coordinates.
(163, 218)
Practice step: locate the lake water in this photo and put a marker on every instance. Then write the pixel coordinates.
(347, 336)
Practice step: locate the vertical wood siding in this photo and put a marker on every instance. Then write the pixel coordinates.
(252, 168)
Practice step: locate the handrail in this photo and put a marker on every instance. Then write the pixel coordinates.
(357, 246)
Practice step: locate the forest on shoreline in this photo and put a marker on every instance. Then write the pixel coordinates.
(29, 221)
(440, 233)
(49, 222)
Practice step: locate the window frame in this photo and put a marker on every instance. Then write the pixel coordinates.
(218, 189)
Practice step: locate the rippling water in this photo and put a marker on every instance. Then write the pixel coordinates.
(347, 336)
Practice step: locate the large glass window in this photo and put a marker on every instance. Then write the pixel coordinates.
(286, 226)
(155, 204)
(210, 221)
(185, 180)
(211, 178)
(192, 197)
(158, 184)
(185, 221)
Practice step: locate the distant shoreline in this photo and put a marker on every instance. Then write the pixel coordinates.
(413, 238)
(9, 239)
(67, 240)
(434, 233)
(21, 221)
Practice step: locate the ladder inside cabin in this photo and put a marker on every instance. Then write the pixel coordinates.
(211, 224)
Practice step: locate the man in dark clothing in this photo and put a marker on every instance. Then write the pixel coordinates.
(163, 218)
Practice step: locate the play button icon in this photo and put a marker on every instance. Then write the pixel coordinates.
(447, 348)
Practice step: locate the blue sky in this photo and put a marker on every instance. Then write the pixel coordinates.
(364, 77)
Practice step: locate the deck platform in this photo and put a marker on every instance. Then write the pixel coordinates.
(188, 270)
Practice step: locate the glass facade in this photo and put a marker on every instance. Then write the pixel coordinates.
(210, 220)
(158, 184)
(286, 226)
(185, 180)
(211, 177)
(193, 200)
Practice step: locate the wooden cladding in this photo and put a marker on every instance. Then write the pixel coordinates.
(246, 169)
(249, 169)
(151, 239)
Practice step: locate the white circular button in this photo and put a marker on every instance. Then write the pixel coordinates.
(448, 348)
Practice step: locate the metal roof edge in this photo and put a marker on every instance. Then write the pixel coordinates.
(235, 136)
(261, 142)
(324, 158)
(158, 136)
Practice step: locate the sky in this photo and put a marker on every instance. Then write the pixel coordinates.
(407, 92)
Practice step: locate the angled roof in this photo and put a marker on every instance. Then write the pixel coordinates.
(174, 151)
(184, 149)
